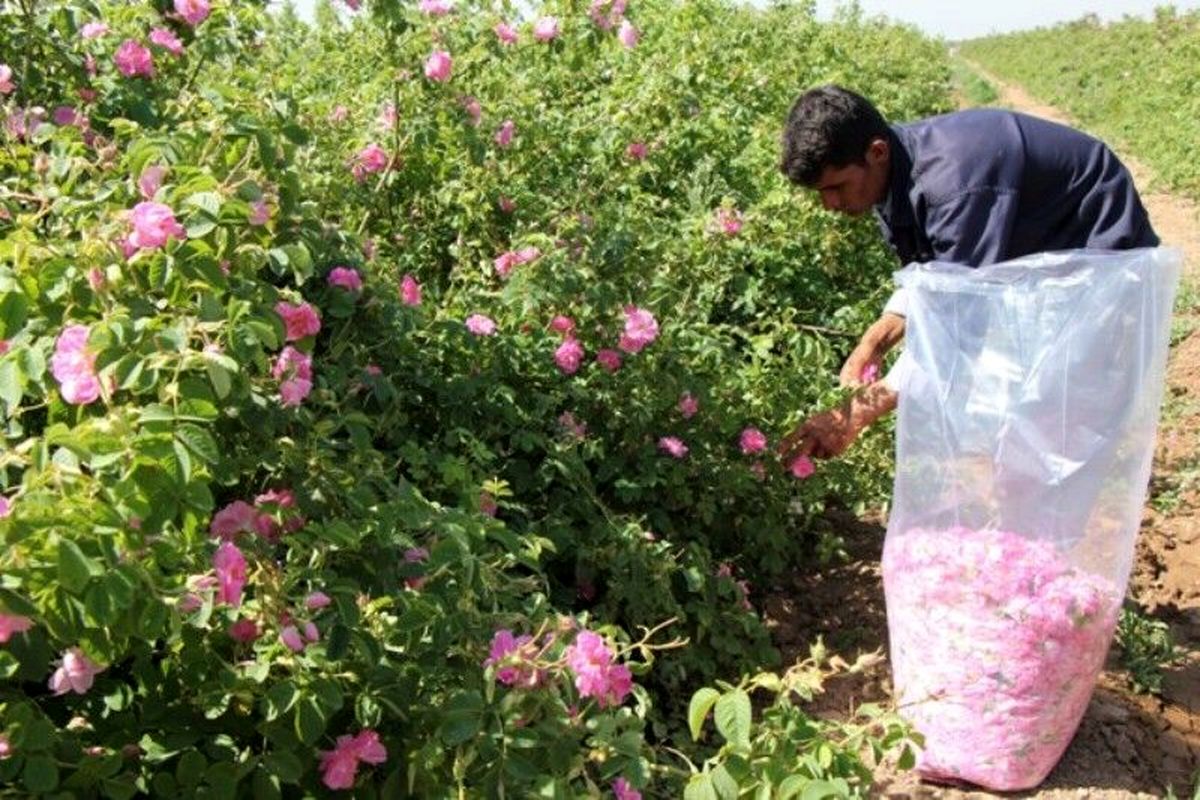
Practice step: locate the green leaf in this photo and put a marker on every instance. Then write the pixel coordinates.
(700, 787)
(724, 784)
(209, 202)
(220, 378)
(702, 703)
(12, 383)
(733, 718)
(74, 568)
(190, 769)
(14, 309)
(462, 718)
(40, 774)
(310, 720)
(284, 765)
(199, 441)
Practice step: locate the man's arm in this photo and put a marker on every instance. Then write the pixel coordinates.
(828, 434)
(881, 337)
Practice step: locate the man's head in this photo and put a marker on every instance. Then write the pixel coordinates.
(837, 143)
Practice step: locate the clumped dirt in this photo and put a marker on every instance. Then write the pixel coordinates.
(1129, 745)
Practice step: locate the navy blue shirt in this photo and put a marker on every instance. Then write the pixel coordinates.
(980, 186)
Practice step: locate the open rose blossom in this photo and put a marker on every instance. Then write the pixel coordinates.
(345, 277)
(93, 30)
(75, 673)
(193, 12)
(260, 213)
(636, 151)
(153, 226)
(802, 467)
(6, 82)
(622, 790)
(167, 40)
(673, 446)
(410, 291)
(438, 66)
(299, 320)
(13, 623)
(436, 8)
(996, 643)
(569, 355)
(728, 221)
(244, 631)
(688, 405)
(513, 657)
(640, 330)
(628, 35)
(230, 566)
(134, 59)
(609, 359)
(562, 324)
(753, 441)
(595, 673)
(505, 33)
(339, 766)
(293, 370)
(370, 159)
(480, 325)
(74, 366)
(504, 135)
(545, 29)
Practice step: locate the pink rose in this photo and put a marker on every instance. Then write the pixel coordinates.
(688, 405)
(487, 504)
(5, 506)
(13, 623)
(410, 291)
(473, 109)
(623, 791)
(153, 225)
(75, 673)
(345, 277)
(237, 517)
(317, 600)
(636, 151)
(133, 59)
(151, 181)
(339, 114)
(545, 29)
(167, 40)
(640, 330)
(505, 33)
(74, 366)
(6, 82)
(67, 116)
(504, 135)
(595, 674)
(673, 446)
(193, 11)
(339, 766)
(507, 204)
(439, 66)
(293, 370)
(753, 441)
(244, 631)
(513, 656)
(609, 359)
(569, 355)
(729, 221)
(870, 373)
(605, 13)
(290, 636)
(562, 324)
(230, 566)
(480, 325)
(260, 213)
(299, 320)
(93, 30)
(628, 35)
(802, 467)
(436, 8)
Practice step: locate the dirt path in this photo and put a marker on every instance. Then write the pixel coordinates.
(1129, 745)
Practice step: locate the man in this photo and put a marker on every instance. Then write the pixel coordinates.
(971, 187)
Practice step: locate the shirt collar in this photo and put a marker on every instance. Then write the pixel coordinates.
(896, 207)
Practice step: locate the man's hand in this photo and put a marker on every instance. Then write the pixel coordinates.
(825, 435)
(865, 363)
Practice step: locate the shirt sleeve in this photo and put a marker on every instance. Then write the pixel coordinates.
(973, 227)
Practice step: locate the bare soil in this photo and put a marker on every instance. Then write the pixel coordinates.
(1129, 745)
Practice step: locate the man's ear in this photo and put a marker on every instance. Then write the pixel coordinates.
(878, 151)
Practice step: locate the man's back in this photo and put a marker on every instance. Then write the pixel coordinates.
(987, 185)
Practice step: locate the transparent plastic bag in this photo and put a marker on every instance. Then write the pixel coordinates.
(1029, 398)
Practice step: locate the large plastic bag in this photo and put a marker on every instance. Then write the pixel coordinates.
(1028, 406)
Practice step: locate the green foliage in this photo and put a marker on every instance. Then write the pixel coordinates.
(976, 90)
(428, 485)
(1087, 68)
(1147, 648)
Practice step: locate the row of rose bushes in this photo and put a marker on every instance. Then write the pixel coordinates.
(354, 447)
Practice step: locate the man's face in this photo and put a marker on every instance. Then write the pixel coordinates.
(854, 188)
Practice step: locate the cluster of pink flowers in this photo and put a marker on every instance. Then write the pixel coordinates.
(996, 644)
(273, 514)
(410, 291)
(133, 59)
(299, 320)
(370, 159)
(13, 623)
(345, 277)
(515, 660)
(74, 366)
(339, 766)
(154, 225)
(439, 66)
(193, 12)
(641, 328)
(595, 673)
(505, 262)
(76, 673)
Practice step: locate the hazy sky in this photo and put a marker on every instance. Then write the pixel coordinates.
(956, 19)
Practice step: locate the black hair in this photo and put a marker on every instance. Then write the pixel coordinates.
(828, 126)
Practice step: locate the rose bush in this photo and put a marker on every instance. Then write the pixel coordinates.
(312, 385)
